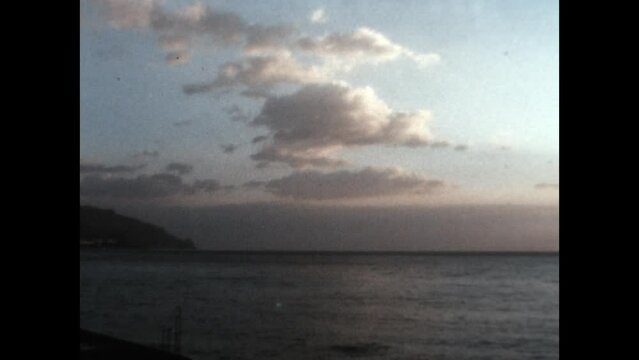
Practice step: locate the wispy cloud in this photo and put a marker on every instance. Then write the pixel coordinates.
(86, 168)
(179, 168)
(253, 184)
(259, 138)
(129, 14)
(363, 45)
(228, 148)
(160, 185)
(369, 182)
(440, 144)
(318, 16)
(147, 154)
(178, 31)
(259, 74)
(237, 114)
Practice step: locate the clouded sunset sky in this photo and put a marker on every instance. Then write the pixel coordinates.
(420, 103)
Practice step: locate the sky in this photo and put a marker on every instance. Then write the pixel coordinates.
(333, 104)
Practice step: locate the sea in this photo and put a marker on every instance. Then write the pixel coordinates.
(279, 305)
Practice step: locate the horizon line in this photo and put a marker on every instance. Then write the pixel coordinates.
(348, 252)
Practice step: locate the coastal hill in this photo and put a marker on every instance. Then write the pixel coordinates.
(104, 228)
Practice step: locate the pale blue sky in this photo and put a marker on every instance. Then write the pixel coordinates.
(496, 85)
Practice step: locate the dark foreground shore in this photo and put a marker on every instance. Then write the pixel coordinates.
(94, 346)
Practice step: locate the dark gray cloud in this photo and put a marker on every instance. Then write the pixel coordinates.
(254, 184)
(177, 57)
(191, 89)
(207, 185)
(180, 168)
(228, 148)
(547, 186)
(461, 147)
(87, 168)
(154, 186)
(310, 125)
(140, 187)
(147, 154)
(369, 182)
(259, 138)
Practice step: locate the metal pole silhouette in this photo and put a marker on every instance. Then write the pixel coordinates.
(177, 335)
(165, 342)
(163, 339)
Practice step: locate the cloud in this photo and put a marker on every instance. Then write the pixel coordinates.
(298, 157)
(318, 16)
(259, 138)
(262, 39)
(150, 154)
(177, 57)
(253, 184)
(461, 147)
(236, 114)
(310, 125)
(547, 186)
(143, 186)
(86, 168)
(440, 144)
(363, 45)
(369, 182)
(261, 93)
(259, 74)
(228, 148)
(180, 168)
(422, 60)
(206, 185)
(179, 31)
(129, 13)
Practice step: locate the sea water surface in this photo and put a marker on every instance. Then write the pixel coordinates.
(326, 305)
